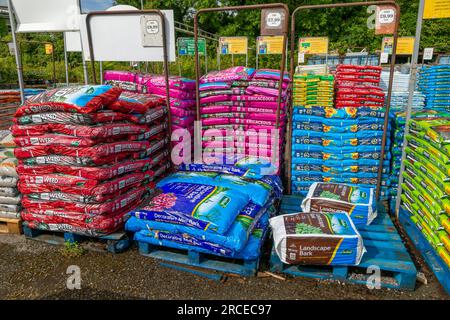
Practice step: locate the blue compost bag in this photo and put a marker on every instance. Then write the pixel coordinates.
(343, 113)
(186, 242)
(234, 239)
(197, 205)
(257, 190)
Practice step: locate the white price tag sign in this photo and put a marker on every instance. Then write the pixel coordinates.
(384, 58)
(301, 57)
(428, 53)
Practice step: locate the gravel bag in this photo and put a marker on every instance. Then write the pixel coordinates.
(317, 239)
(6, 181)
(81, 99)
(358, 202)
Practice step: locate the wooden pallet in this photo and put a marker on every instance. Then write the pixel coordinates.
(432, 259)
(11, 225)
(117, 242)
(194, 259)
(385, 249)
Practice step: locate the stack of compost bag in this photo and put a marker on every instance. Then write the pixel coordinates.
(398, 128)
(88, 155)
(181, 93)
(238, 108)
(9, 195)
(358, 86)
(434, 82)
(313, 90)
(341, 144)
(400, 81)
(217, 209)
(426, 184)
(338, 145)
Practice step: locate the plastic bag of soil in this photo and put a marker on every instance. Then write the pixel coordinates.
(310, 238)
(358, 203)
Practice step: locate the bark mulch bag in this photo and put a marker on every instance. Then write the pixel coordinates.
(317, 239)
(358, 202)
(80, 99)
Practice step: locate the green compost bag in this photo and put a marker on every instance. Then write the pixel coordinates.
(424, 181)
(441, 205)
(431, 150)
(444, 148)
(420, 210)
(413, 148)
(428, 167)
(426, 230)
(423, 168)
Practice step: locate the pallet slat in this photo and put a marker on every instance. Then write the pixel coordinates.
(117, 242)
(10, 225)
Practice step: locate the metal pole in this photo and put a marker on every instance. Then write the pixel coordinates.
(206, 60)
(101, 71)
(232, 60)
(16, 52)
(66, 63)
(54, 65)
(411, 87)
(218, 58)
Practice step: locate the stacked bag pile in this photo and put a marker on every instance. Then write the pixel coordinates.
(243, 100)
(181, 93)
(434, 82)
(87, 155)
(9, 102)
(426, 184)
(340, 144)
(358, 86)
(313, 90)
(9, 195)
(221, 210)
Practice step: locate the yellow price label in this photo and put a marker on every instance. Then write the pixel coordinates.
(436, 9)
(270, 44)
(405, 45)
(313, 45)
(233, 45)
(48, 48)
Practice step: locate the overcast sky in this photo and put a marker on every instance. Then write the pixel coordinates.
(86, 5)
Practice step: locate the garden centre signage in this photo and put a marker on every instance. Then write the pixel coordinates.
(385, 20)
(313, 45)
(405, 45)
(233, 45)
(273, 22)
(186, 46)
(436, 9)
(270, 44)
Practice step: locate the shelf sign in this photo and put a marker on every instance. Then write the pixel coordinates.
(233, 45)
(270, 44)
(313, 45)
(186, 46)
(436, 9)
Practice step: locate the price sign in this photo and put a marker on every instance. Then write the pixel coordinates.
(428, 53)
(273, 22)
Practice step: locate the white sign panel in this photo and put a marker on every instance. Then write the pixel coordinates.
(384, 58)
(73, 41)
(47, 15)
(121, 37)
(428, 53)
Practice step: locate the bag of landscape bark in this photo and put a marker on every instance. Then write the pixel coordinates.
(358, 202)
(316, 238)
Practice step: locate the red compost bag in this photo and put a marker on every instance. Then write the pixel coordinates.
(55, 139)
(94, 152)
(130, 198)
(99, 131)
(130, 102)
(64, 221)
(98, 173)
(29, 130)
(150, 116)
(71, 118)
(80, 99)
(77, 161)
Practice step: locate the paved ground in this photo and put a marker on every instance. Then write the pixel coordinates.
(34, 270)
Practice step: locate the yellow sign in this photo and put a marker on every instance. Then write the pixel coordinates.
(313, 45)
(270, 44)
(48, 48)
(405, 45)
(436, 9)
(233, 45)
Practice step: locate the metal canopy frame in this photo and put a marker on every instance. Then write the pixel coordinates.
(391, 77)
(197, 65)
(165, 59)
